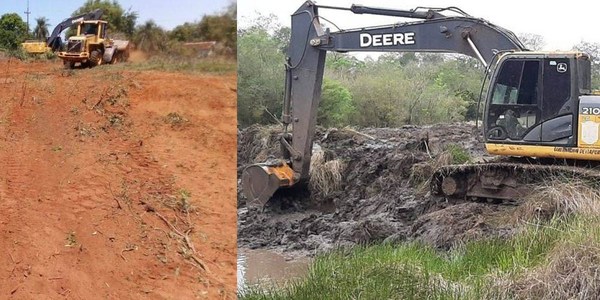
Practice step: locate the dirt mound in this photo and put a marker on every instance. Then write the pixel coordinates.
(100, 197)
(379, 198)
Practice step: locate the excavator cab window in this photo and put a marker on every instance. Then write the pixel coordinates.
(514, 107)
(531, 101)
(90, 28)
(557, 87)
(517, 83)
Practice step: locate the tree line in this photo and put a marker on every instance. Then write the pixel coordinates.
(391, 90)
(148, 36)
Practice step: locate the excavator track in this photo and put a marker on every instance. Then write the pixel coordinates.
(507, 182)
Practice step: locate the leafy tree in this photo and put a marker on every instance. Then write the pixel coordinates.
(343, 65)
(185, 32)
(150, 37)
(40, 31)
(463, 77)
(267, 23)
(13, 31)
(386, 95)
(118, 19)
(231, 10)
(336, 105)
(532, 41)
(392, 90)
(397, 59)
(260, 77)
(593, 49)
(282, 35)
(220, 28)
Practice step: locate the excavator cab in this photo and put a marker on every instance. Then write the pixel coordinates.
(533, 103)
(533, 98)
(96, 28)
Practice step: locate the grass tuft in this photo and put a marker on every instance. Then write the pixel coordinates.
(562, 198)
(325, 175)
(458, 154)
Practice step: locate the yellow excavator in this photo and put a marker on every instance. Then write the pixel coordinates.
(539, 105)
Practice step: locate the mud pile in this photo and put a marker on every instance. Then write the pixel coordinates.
(382, 194)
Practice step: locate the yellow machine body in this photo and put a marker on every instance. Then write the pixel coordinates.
(35, 47)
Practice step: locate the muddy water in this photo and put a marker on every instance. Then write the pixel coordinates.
(267, 268)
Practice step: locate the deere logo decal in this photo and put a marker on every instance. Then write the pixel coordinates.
(561, 68)
(388, 39)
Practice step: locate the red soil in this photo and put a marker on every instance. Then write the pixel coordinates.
(105, 194)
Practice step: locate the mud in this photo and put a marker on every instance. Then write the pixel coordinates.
(383, 195)
(103, 196)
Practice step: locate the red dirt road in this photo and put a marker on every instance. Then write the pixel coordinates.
(116, 184)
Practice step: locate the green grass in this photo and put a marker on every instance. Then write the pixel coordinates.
(475, 270)
(458, 154)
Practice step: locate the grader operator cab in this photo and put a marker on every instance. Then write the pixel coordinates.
(538, 104)
(91, 46)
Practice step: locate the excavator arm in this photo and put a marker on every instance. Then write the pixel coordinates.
(309, 43)
(54, 40)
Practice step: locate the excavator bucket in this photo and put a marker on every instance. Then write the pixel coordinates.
(261, 181)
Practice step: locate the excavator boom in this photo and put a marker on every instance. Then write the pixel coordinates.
(310, 41)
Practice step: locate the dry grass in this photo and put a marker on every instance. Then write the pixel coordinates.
(420, 173)
(258, 143)
(572, 267)
(560, 198)
(264, 135)
(214, 65)
(571, 272)
(175, 120)
(325, 175)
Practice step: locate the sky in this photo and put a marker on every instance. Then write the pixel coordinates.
(562, 26)
(166, 13)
